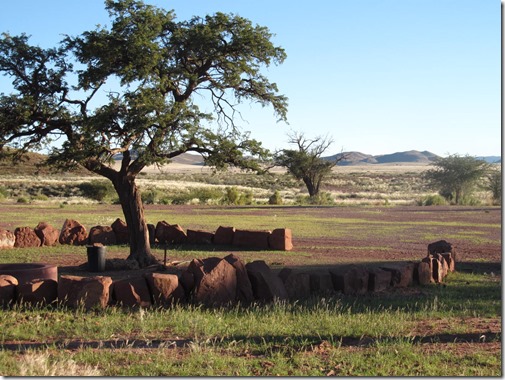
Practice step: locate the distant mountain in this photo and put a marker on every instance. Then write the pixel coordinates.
(491, 159)
(411, 156)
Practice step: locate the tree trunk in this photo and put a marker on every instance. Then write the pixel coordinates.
(133, 210)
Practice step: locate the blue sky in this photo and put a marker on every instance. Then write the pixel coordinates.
(379, 76)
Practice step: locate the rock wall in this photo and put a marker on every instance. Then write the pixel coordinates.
(74, 233)
(218, 281)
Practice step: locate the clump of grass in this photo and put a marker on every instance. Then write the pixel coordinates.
(41, 364)
(432, 200)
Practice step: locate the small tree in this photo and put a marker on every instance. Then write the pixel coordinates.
(129, 91)
(494, 184)
(305, 163)
(456, 176)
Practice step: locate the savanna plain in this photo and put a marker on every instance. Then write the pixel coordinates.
(367, 215)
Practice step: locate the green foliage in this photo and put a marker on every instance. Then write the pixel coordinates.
(4, 193)
(275, 198)
(494, 185)
(23, 200)
(233, 196)
(97, 190)
(432, 200)
(305, 163)
(456, 177)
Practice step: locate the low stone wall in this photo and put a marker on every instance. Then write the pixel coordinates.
(218, 281)
(74, 233)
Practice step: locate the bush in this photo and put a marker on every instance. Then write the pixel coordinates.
(23, 200)
(97, 190)
(150, 197)
(234, 197)
(275, 198)
(432, 200)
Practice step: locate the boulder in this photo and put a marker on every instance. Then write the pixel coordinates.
(280, 239)
(169, 234)
(444, 266)
(320, 282)
(73, 233)
(436, 267)
(441, 246)
(102, 235)
(120, 229)
(244, 287)
(7, 239)
(378, 280)
(187, 280)
(8, 286)
(38, 292)
(297, 284)
(224, 235)
(351, 280)
(450, 261)
(251, 239)
(90, 292)
(265, 284)
(423, 273)
(402, 274)
(26, 237)
(165, 288)
(131, 292)
(215, 281)
(151, 228)
(47, 234)
(199, 237)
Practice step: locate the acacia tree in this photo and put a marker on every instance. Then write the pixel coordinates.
(456, 176)
(305, 162)
(129, 90)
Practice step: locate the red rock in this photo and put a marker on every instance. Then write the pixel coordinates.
(442, 263)
(320, 282)
(38, 292)
(8, 286)
(424, 273)
(26, 237)
(102, 235)
(351, 280)
(165, 288)
(449, 260)
(265, 284)
(251, 239)
(244, 288)
(402, 274)
(90, 292)
(440, 246)
(297, 284)
(378, 280)
(199, 237)
(224, 235)
(73, 233)
(132, 292)
(7, 239)
(47, 234)
(169, 234)
(215, 281)
(120, 229)
(280, 239)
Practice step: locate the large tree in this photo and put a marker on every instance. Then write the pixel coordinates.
(456, 176)
(129, 91)
(305, 162)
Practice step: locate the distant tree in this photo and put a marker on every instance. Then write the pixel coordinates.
(129, 91)
(494, 184)
(305, 162)
(456, 177)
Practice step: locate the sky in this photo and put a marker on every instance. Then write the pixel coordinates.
(377, 76)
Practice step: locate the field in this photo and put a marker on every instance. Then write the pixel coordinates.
(452, 329)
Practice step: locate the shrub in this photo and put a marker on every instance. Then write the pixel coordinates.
(275, 198)
(234, 197)
(149, 197)
(97, 190)
(4, 193)
(432, 200)
(23, 200)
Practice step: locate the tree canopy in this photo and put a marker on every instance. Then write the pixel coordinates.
(305, 162)
(130, 90)
(456, 176)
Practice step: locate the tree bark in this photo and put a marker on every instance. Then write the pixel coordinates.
(133, 210)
